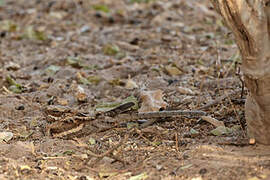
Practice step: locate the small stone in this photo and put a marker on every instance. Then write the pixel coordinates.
(159, 167)
(81, 96)
(203, 171)
(252, 141)
(11, 66)
(20, 108)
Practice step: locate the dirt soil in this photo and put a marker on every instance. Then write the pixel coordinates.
(76, 54)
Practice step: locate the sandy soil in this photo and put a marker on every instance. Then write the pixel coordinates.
(77, 54)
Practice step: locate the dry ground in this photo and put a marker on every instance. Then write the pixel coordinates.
(50, 47)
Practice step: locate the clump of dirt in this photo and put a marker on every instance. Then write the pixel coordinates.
(72, 76)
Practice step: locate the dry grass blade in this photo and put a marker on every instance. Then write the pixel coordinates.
(107, 153)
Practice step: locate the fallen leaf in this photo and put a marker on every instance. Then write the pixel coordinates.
(139, 177)
(152, 101)
(8, 26)
(106, 174)
(113, 50)
(130, 84)
(116, 82)
(184, 90)
(253, 178)
(131, 125)
(68, 152)
(52, 69)
(194, 133)
(156, 143)
(33, 34)
(110, 49)
(197, 178)
(15, 89)
(25, 167)
(213, 121)
(84, 29)
(92, 141)
(81, 79)
(5, 136)
(94, 79)
(24, 133)
(173, 71)
(221, 130)
(185, 167)
(75, 62)
(58, 14)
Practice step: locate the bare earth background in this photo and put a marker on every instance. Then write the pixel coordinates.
(50, 47)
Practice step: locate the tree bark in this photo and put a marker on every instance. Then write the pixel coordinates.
(249, 21)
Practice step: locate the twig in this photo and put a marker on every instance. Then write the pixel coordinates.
(148, 123)
(109, 153)
(241, 80)
(162, 114)
(158, 114)
(216, 101)
(236, 114)
(6, 90)
(110, 150)
(176, 142)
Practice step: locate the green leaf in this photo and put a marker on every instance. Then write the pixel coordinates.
(68, 152)
(110, 49)
(116, 82)
(193, 132)
(8, 25)
(92, 141)
(221, 130)
(132, 99)
(84, 81)
(101, 7)
(31, 33)
(75, 62)
(94, 79)
(131, 125)
(113, 50)
(105, 107)
(13, 85)
(15, 89)
(156, 143)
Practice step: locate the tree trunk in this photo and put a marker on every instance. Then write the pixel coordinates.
(249, 21)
